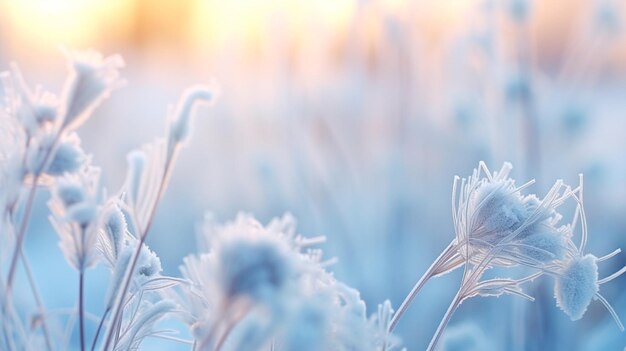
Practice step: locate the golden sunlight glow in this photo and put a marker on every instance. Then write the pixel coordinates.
(40, 25)
(62, 22)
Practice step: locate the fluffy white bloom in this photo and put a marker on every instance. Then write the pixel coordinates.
(92, 78)
(74, 207)
(277, 285)
(577, 285)
(498, 225)
(181, 119)
(33, 109)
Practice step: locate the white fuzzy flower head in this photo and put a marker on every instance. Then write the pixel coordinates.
(251, 261)
(33, 109)
(66, 157)
(181, 119)
(493, 213)
(577, 285)
(92, 78)
(74, 215)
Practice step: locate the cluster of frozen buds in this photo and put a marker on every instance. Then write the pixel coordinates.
(497, 225)
(39, 146)
(265, 285)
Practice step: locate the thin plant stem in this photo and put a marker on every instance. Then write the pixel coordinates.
(430, 272)
(446, 318)
(95, 339)
(20, 237)
(38, 300)
(81, 310)
(27, 212)
(129, 272)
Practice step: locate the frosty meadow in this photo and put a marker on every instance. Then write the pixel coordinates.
(250, 286)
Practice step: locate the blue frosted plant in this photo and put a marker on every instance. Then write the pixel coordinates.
(496, 225)
(250, 286)
(260, 286)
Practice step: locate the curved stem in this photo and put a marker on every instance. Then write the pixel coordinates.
(430, 272)
(20, 236)
(38, 301)
(446, 318)
(95, 339)
(81, 311)
(142, 238)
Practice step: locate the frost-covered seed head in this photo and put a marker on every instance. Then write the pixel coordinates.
(149, 264)
(82, 213)
(92, 79)
(577, 285)
(182, 118)
(255, 268)
(70, 192)
(68, 157)
(544, 246)
(498, 211)
(493, 218)
(115, 227)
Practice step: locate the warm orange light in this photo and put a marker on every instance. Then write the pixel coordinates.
(62, 22)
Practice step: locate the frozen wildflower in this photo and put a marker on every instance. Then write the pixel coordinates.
(114, 228)
(494, 219)
(68, 157)
(577, 285)
(246, 260)
(34, 109)
(181, 120)
(577, 282)
(74, 206)
(47, 155)
(92, 78)
(269, 280)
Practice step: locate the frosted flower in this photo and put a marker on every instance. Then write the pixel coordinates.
(74, 206)
(148, 265)
(66, 157)
(92, 78)
(181, 119)
(254, 267)
(113, 231)
(249, 261)
(577, 285)
(34, 109)
(493, 218)
(270, 278)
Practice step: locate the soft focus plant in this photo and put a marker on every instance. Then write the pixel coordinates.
(250, 286)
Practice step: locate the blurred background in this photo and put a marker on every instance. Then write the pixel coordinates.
(354, 116)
